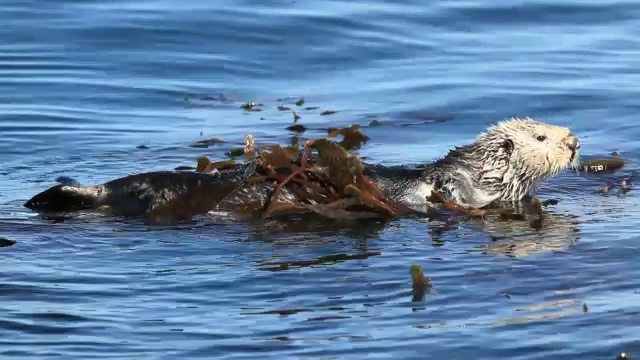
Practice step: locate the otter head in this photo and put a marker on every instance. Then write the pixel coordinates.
(535, 151)
(62, 198)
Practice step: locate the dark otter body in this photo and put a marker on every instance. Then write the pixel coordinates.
(181, 195)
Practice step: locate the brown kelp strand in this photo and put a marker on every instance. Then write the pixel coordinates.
(205, 165)
(352, 137)
(205, 143)
(332, 185)
(419, 283)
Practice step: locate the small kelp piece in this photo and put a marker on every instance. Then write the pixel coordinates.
(297, 128)
(623, 186)
(235, 152)
(4, 242)
(419, 283)
(205, 143)
(328, 112)
(205, 165)
(251, 106)
(352, 137)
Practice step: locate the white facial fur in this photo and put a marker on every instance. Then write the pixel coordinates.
(538, 151)
(541, 148)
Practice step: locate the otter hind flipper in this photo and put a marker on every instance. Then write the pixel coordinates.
(64, 198)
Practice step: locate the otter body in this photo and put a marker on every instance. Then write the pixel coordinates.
(159, 193)
(505, 163)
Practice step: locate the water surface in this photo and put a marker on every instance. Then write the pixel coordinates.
(85, 83)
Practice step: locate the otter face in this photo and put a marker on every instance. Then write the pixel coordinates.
(539, 149)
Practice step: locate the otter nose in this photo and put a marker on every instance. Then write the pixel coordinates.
(573, 144)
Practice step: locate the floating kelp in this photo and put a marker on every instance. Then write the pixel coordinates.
(332, 185)
(327, 112)
(205, 165)
(251, 106)
(205, 143)
(297, 128)
(623, 187)
(600, 165)
(4, 242)
(352, 137)
(235, 152)
(300, 102)
(419, 284)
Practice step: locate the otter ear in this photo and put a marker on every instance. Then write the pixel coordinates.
(507, 145)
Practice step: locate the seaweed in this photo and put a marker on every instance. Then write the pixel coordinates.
(331, 184)
(600, 165)
(4, 242)
(251, 106)
(419, 284)
(352, 137)
(205, 165)
(205, 143)
(297, 128)
(235, 152)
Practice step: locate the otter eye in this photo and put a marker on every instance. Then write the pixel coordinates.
(542, 138)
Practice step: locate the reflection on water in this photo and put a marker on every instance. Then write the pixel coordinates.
(556, 232)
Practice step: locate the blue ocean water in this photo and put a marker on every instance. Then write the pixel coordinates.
(84, 84)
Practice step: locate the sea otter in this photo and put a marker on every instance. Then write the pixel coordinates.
(505, 163)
